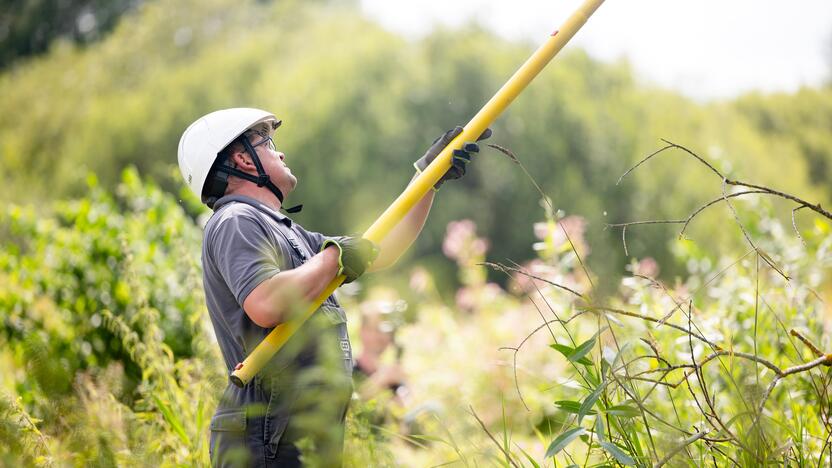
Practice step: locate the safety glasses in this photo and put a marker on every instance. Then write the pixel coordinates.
(268, 140)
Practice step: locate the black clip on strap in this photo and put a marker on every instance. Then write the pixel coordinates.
(263, 178)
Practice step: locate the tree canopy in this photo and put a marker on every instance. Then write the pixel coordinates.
(359, 104)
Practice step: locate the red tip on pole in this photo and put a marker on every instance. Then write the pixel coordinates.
(555, 33)
(238, 366)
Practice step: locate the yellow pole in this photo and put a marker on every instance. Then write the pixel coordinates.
(245, 371)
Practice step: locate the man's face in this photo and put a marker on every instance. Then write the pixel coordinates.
(274, 163)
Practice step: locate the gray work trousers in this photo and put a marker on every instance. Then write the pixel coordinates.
(301, 404)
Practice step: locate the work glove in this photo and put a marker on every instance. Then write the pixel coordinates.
(355, 254)
(461, 157)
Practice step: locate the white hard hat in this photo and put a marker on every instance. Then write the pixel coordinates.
(206, 137)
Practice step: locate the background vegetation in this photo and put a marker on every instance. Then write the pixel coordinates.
(104, 339)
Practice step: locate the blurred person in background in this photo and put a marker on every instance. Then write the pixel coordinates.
(260, 268)
(381, 316)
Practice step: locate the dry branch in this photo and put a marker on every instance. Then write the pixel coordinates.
(755, 189)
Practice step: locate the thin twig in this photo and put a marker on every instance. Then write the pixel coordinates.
(681, 447)
(648, 319)
(506, 269)
(807, 342)
(794, 224)
(706, 163)
(816, 207)
(642, 162)
(756, 189)
(686, 222)
(548, 202)
(736, 215)
(700, 378)
(490, 436)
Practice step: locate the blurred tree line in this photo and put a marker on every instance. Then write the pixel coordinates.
(28, 27)
(360, 103)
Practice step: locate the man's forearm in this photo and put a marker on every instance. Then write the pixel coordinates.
(273, 301)
(403, 234)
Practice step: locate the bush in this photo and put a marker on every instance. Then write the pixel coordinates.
(103, 332)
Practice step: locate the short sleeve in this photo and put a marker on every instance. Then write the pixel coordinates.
(314, 239)
(244, 254)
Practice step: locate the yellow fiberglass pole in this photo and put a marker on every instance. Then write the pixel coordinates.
(246, 370)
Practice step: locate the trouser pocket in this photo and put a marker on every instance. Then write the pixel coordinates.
(228, 439)
(281, 401)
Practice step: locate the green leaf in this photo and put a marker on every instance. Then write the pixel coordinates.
(568, 351)
(582, 349)
(617, 453)
(563, 440)
(570, 406)
(624, 411)
(599, 429)
(563, 349)
(589, 402)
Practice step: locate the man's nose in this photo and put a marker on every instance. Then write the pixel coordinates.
(281, 156)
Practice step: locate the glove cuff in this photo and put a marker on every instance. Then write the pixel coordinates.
(436, 186)
(329, 242)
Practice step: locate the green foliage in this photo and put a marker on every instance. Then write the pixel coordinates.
(799, 123)
(646, 396)
(120, 270)
(359, 104)
(627, 400)
(103, 321)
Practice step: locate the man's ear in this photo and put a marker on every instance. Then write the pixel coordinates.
(243, 161)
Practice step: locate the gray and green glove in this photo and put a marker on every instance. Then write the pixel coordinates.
(355, 254)
(461, 157)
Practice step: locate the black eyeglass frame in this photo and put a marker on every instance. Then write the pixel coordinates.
(272, 146)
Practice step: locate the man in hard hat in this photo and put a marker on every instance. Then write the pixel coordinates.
(259, 268)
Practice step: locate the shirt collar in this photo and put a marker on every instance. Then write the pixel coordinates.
(276, 215)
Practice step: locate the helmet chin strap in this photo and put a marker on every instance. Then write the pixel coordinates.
(262, 179)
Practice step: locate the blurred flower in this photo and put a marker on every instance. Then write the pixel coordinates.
(523, 283)
(472, 298)
(420, 280)
(466, 299)
(555, 241)
(648, 267)
(462, 244)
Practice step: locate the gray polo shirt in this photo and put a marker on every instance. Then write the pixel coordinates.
(246, 243)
